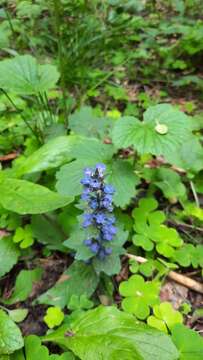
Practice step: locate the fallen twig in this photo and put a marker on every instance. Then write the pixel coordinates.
(179, 278)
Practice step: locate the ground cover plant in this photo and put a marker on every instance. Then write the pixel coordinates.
(101, 190)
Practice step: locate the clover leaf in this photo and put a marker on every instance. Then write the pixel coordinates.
(188, 255)
(24, 236)
(54, 317)
(150, 229)
(139, 295)
(165, 317)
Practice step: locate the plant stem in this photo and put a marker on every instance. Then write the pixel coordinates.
(194, 193)
(9, 21)
(57, 18)
(19, 111)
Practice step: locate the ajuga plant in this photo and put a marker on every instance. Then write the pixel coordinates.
(98, 215)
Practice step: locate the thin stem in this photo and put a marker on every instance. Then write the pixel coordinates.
(19, 111)
(9, 21)
(57, 18)
(194, 193)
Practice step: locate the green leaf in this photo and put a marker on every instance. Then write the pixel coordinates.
(54, 317)
(170, 183)
(84, 122)
(23, 285)
(24, 197)
(9, 254)
(146, 138)
(34, 350)
(18, 315)
(139, 295)
(24, 236)
(80, 302)
(188, 255)
(51, 155)
(88, 152)
(111, 264)
(23, 75)
(188, 342)
(47, 230)
(11, 338)
(149, 229)
(107, 333)
(121, 176)
(80, 279)
(191, 161)
(165, 317)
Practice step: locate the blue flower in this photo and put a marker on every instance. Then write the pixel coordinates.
(109, 189)
(98, 196)
(88, 218)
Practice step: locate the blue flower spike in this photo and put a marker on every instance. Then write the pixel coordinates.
(98, 216)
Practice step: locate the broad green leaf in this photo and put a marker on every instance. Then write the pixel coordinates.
(23, 75)
(188, 342)
(51, 155)
(24, 197)
(47, 230)
(170, 183)
(84, 122)
(9, 254)
(54, 317)
(88, 153)
(69, 176)
(24, 284)
(10, 338)
(18, 315)
(111, 264)
(34, 349)
(107, 333)
(122, 177)
(80, 279)
(148, 136)
(191, 161)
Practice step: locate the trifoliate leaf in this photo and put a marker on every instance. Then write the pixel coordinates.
(165, 317)
(188, 255)
(107, 333)
(23, 75)
(139, 295)
(162, 132)
(24, 236)
(149, 229)
(11, 338)
(54, 317)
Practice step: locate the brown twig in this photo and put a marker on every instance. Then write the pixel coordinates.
(179, 278)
